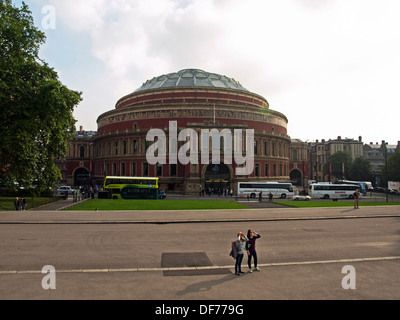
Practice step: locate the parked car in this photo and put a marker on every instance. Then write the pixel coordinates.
(63, 189)
(161, 194)
(301, 198)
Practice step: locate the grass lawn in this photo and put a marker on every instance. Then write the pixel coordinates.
(109, 204)
(323, 204)
(7, 203)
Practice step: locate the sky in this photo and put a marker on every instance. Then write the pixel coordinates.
(332, 67)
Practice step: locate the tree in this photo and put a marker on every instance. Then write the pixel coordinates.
(36, 109)
(340, 163)
(391, 169)
(361, 170)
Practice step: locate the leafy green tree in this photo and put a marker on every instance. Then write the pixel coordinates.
(36, 109)
(391, 170)
(361, 170)
(340, 163)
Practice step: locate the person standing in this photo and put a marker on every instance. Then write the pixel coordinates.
(251, 249)
(356, 196)
(270, 197)
(23, 203)
(240, 245)
(16, 203)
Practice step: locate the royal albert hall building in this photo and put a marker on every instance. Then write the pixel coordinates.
(194, 99)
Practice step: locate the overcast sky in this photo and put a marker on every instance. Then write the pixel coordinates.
(331, 66)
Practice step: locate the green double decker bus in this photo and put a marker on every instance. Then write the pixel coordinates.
(131, 187)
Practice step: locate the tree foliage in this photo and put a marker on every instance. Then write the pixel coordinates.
(343, 167)
(36, 109)
(338, 165)
(361, 170)
(391, 169)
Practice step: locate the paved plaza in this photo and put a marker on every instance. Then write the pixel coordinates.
(185, 254)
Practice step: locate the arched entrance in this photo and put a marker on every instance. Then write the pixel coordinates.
(217, 178)
(81, 177)
(296, 177)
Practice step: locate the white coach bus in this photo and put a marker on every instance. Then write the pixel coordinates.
(333, 191)
(253, 189)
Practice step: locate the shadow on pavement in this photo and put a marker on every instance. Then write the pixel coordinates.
(206, 285)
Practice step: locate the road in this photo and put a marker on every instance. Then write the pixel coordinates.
(185, 255)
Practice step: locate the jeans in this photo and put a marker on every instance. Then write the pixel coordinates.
(238, 264)
(252, 254)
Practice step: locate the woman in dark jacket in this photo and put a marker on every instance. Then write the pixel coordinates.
(251, 248)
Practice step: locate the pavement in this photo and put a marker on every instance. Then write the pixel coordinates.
(97, 261)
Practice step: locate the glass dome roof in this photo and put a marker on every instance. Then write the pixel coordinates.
(191, 78)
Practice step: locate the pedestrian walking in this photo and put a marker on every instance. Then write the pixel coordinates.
(240, 245)
(16, 203)
(270, 197)
(23, 203)
(356, 196)
(260, 197)
(252, 236)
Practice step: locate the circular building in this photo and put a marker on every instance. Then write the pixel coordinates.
(200, 101)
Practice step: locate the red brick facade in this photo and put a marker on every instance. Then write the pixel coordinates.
(119, 147)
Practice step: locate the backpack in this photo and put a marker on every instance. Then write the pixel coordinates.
(234, 250)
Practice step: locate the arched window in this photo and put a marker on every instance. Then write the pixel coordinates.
(265, 148)
(124, 147)
(294, 154)
(255, 147)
